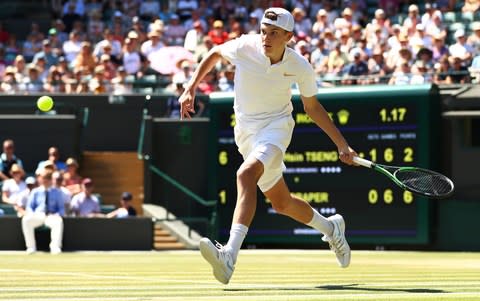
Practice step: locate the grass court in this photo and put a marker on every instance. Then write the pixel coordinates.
(260, 275)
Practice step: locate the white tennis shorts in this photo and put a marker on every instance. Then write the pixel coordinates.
(267, 143)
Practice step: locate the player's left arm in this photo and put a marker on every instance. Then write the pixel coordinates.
(319, 115)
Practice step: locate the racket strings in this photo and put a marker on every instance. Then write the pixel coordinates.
(424, 181)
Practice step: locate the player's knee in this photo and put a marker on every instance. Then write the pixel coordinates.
(249, 172)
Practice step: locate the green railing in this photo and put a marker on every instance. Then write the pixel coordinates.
(209, 222)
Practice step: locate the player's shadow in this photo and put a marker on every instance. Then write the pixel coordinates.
(347, 287)
(356, 287)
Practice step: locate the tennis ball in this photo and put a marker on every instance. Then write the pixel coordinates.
(45, 103)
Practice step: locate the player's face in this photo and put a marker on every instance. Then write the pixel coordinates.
(274, 39)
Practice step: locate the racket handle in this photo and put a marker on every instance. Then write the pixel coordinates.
(363, 162)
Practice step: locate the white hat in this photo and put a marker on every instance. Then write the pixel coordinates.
(30, 180)
(284, 18)
(459, 33)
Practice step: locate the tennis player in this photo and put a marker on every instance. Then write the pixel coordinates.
(265, 71)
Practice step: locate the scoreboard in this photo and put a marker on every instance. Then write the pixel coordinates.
(394, 125)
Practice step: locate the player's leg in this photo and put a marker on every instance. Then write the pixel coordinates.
(333, 228)
(223, 258)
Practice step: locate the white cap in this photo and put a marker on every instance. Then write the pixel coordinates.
(30, 180)
(459, 33)
(284, 18)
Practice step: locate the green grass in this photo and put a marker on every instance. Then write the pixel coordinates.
(259, 275)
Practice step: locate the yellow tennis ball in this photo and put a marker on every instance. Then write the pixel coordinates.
(45, 103)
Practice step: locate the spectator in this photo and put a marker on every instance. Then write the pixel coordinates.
(402, 75)
(252, 26)
(436, 26)
(471, 6)
(203, 49)
(9, 84)
(412, 20)
(225, 81)
(72, 47)
(20, 68)
(174, 32)
(474, 39)
(194, 36)
(55, 43)
(420, 74)
(149, 9)
(458, 73)
(439, 49)
(377, 66)
(186, 8)
(8, 159)
(120, 84)
(419, 39)
(60, 30)
(319, 56)
(321, 23)
(389, 6)
(32, 83)
(70, 15)
(57, 182)
(12, 189)
(108, 41)
(21, 205)
(4, 34)
(337, 59)
(53, 157)
(85, 203)
(85, 59)
(355, 69)
(54, 82)
(44, 207)
(31, 46)
(12, 49)
(126, 209)
(461, 49)
(98, 84)
(109, 70)
(193, 20)
(153, 43)
(145, 69)
(302, 24)
(95, 26)
(131, 58)
(71, 178)
(51, 58)
(218, 34)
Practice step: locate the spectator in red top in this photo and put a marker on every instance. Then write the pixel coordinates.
(218, 34)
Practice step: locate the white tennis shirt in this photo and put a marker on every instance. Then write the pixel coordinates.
(263, 90)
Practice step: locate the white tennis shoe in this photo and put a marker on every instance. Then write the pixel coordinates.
(338, 243)
(219, 258)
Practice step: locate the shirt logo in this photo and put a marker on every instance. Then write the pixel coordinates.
(288, 74)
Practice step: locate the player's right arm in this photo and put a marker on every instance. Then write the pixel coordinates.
(188, 96)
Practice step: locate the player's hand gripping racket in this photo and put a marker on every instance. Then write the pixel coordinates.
(423, 182)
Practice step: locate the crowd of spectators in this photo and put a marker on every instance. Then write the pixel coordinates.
(106, 46)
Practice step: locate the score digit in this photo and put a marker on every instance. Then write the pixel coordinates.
(393, 115)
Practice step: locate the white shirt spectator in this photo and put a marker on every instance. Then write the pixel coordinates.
(116, 47)
(148, 48)
(15, 190)
(71, 49)
(131, 62)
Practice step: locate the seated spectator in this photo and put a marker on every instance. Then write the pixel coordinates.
(57, 182)
(54, 82)
(471, 6)
(8, 159)
(95, 26)
(217, 34)
(20, 68)
(252, 26)
(420, 74)
(439, 49)
(71, 179)
(377, 66)
(44, 207)
(109, 69)
(53, 157)
(32, 83)
(12, 189)
(108, 41)
(319, 56)
(21, 204)
(321, 23)
(153, 44)
(337, 59)
(120, 84)
(185, 8)
(442, 69)
(458, 73)
(51, 58)
(85, 58)
(402, 75)
(9, 84)
(85, 203)
(203, 49)
(126, 209)
(474, 39)
(302, 24)
(461, 49)
(225, 81)
(174, 32)
(355, 69)
(98, 84)
(131, 57)
(72, 47)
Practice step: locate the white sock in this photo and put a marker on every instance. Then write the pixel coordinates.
(237, 235)
(321, 223)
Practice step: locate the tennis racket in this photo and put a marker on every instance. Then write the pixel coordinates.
(420, 181)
